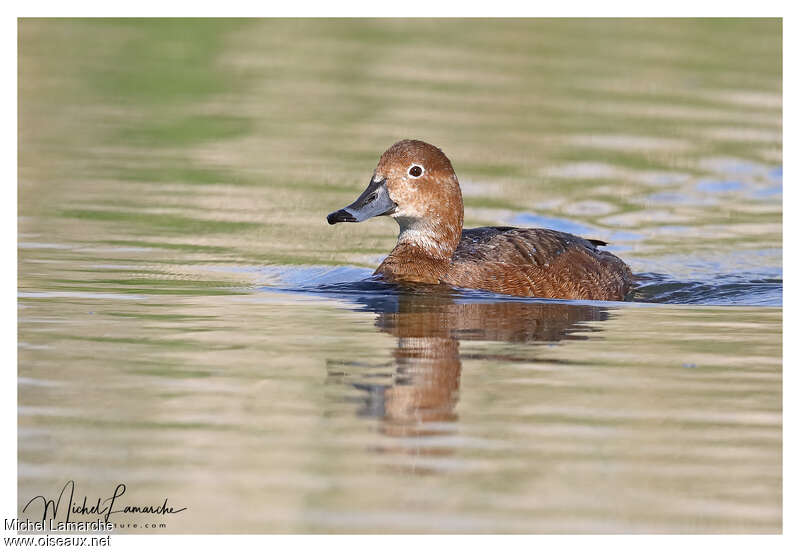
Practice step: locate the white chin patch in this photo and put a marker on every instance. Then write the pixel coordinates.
(422, 238)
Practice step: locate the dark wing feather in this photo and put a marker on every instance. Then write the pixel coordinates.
(518, 246)
(539, 262)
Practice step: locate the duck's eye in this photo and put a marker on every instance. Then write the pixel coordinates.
(415, 171)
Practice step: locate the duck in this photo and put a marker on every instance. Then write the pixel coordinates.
(415, 184)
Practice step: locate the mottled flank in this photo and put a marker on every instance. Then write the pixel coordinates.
(537, 262)
(432, 248)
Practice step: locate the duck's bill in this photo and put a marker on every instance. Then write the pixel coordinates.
(374, 202)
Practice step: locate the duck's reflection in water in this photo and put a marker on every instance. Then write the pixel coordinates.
(426, 369)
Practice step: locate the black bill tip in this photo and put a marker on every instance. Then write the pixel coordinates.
(341, 216)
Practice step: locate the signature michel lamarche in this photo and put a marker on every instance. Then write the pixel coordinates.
(105, 507)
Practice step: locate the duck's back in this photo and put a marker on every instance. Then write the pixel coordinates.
(537, 262)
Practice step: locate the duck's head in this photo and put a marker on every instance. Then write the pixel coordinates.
(415, 184)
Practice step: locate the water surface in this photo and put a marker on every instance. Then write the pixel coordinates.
(191, 326)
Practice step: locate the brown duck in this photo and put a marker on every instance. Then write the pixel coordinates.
(415, 184)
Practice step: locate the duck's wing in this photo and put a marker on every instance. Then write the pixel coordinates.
(539, 262)
(520, 246)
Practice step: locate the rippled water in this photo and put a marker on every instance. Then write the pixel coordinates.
(190, 325)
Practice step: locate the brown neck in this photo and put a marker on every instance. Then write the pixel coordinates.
(436, 240)
(411, 263)
(424, 248)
